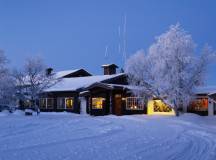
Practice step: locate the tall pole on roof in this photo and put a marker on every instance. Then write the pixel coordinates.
(119, 34)
(106, 52)
(124, 39)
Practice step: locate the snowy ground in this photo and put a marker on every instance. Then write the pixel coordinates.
(65, 136)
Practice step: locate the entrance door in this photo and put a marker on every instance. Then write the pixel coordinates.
(83, 105)
(118, 104)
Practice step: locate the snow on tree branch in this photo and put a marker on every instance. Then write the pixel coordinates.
(171, 68)
(33, 79)
(7, 85)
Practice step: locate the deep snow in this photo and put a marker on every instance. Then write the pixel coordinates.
(66, 136)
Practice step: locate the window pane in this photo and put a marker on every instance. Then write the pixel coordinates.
(27, 103)
(42, 103)
(61, 103)
(135, 103)
(97, 103)
(50, 103)
(159, 106)
(69, 103)
(200, 104)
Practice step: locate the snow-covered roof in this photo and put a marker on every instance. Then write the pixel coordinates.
(61, 74)
(107, 65)
(72, 84)
(110, 86)
(126, 86)
(205, 90)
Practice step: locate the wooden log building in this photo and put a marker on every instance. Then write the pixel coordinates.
(84, 93)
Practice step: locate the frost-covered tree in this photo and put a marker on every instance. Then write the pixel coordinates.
(7, 83)
(33, 80)
(171, 69)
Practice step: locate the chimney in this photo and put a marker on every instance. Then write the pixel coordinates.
(109, 69)
(49, 71)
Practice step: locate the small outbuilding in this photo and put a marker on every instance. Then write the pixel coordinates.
(204, 102)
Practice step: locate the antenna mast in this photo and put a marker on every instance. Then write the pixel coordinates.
(106, 52)
(124, 39)
(119, 34)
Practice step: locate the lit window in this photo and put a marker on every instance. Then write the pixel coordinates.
(97, 103)
(69, 103)
(200, 104)
(65, 103)
(135, 103)
(61, 103)
(159, 106)
(42, 103)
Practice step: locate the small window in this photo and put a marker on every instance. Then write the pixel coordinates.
(69, 103)
(61, 103)
(97, 103)
(200, 104)
(42, 103)
(135, 103)
(46, 103)
(27, 103)
(65, 103)
(50, 103)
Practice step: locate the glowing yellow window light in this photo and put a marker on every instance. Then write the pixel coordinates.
(157, 107)
(69, 103)
(97, 103)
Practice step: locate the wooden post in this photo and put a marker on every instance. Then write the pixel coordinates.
(184, 109)
(111, 99)
(210, 107)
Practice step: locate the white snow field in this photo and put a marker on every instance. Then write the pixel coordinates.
(67, 136)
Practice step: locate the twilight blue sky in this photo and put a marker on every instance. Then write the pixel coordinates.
(72, 34)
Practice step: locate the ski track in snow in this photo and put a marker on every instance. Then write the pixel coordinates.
(137, 137)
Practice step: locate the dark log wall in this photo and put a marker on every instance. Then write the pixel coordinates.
(118, 80)
(126, 111)
(55, 95)
(99, 93)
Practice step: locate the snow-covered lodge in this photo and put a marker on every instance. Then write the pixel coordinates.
(81, 92)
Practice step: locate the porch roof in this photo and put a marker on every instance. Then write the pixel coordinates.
(114, 86)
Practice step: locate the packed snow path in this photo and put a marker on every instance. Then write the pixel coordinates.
(69, 136)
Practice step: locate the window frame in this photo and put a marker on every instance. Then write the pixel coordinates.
(46, 103)
(44, 106)
(72, 98)
(64, 99)
(103, 100)
(52, 103)
(130, 101)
